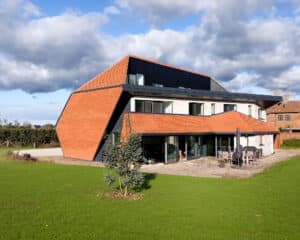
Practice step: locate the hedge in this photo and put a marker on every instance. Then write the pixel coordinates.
(291, 143)
(27, 136)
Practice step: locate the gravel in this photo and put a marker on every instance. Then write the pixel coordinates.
(41, 152)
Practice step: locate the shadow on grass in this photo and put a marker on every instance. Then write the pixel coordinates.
(148, 178)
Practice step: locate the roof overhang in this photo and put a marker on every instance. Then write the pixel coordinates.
(177, 93)
(173, 124)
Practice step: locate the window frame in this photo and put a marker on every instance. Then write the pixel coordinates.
(147, 106)
(201, 108)
(161, 106)
(280, 117)
(213, 108)
(250, 110)
(230, 104)
(287, 117)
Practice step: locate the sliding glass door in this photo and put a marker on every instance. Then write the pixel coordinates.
(171, 149)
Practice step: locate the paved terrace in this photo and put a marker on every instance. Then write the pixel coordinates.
(203, 167)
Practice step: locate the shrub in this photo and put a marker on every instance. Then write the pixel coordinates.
(291, 143)
(26, 136)
(123, 160)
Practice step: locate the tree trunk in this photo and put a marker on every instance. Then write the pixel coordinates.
(120, 186)
(125, 192)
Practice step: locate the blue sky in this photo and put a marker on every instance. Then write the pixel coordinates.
(48, 49)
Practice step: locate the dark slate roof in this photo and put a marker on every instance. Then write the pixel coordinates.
(262, 100)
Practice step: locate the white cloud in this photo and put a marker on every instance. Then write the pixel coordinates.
(159, 11)
(111, 10)
(31, 10)
(230, 43)
(288, 80)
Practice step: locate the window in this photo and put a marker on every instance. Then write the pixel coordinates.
(168, 107)
(229, 107)
(115, 138)
(157, 107)
(140, 79)
(260, 113)
(280, 117)
(288, 117)
(146, 106)
(250, 110)
(196, 109)
(213, 108)
(132, 79)
(136, 79)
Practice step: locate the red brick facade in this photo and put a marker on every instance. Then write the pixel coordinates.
(285, 116)
(84, 120)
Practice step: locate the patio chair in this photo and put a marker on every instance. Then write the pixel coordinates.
(230, 156)
(250, 156)
(244, 158)
(220, 154)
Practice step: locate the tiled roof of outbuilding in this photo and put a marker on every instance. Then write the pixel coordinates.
(285, 107)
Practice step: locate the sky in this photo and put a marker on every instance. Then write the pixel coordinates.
(49, 48)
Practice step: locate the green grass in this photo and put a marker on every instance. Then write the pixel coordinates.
(289, 147)
(48, 201)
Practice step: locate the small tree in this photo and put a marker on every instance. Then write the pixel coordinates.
(124, 161)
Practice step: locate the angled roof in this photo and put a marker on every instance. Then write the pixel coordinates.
(84, 120)
(223, 123)
(113, 76)
(116, 74)
(285, 107)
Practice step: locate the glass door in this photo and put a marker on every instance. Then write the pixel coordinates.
(171, 149)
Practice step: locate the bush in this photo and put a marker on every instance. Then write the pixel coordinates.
(27, 136)
(291, 143)
(123, 160)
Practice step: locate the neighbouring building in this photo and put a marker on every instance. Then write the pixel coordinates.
(285, 116)
(180, 114)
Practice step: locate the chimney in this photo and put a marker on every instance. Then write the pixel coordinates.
(286, 97)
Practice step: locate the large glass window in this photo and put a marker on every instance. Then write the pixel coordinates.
(157, 107)
(229, 107)
(168, 107)
(171, 147)
(139, 106)
(196, 109)
(147, 106)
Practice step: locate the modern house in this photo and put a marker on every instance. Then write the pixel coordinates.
(285, 116)
(180, 114)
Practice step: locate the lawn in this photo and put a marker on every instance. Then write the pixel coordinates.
(48, 201)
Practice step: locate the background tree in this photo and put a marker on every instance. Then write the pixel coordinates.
(124, 161)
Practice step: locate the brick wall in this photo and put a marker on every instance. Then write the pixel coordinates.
(289, 135)
(293, 123)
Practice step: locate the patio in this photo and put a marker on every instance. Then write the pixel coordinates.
(209, 166)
